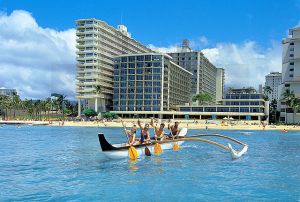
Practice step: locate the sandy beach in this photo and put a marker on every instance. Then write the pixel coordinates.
(203, 124)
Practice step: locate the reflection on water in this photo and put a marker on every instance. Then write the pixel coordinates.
(132, 165)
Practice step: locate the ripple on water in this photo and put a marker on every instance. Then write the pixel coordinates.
(65, 163)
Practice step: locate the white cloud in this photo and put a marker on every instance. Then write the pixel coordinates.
(169, 49)
(245, 64)
(36, 61)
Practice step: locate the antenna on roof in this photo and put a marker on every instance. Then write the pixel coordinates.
(121, 18)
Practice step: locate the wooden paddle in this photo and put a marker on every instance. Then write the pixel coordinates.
(147, 150)
(157, 147)
(176, 147)
(132, 152)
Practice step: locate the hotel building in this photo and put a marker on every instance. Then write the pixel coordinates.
(204, 72)
(274, 81)
(97, 43)
(8, 92)
(148, 84)
(290, 72)
(220, 84)
(238, 104)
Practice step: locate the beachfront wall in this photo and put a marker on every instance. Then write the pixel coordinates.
(192, 115)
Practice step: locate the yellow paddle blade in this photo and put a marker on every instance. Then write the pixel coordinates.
(176, 147)
(157, 149)
(132, 152)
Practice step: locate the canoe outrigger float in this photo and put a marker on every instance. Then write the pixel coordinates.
(119, 151)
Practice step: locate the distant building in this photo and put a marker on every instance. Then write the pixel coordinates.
(260, 88)
(238, 104)
(97, 43)
(148, 83)
(290, 72)
(220, 84)
(204, 72)
(274, 81)
(8, 92)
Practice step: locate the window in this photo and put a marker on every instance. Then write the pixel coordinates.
(131, 65)
(291, 55)
(291, 75)
(124, 59)
(292, 43)
(124, 65)
(140, 64)
(156, 57)
(157, 64)
(147, 57)
(116, 66)
(292, 69)
(286, 85)
(291, 63)
(131, 58)
(140, 58)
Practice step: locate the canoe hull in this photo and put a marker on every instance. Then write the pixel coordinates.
(119, 151)
(120, 154)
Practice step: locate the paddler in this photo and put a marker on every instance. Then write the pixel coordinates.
(145, 134)
(158, 131)
(131, 135)
(174, 130)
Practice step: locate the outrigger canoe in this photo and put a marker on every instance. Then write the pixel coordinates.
(119, 151)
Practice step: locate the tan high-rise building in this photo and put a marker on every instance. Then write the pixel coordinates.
(204, 72)
(97, 43)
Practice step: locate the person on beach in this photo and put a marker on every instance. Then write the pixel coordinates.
(174, 130)
(158, 131)
(145, 134)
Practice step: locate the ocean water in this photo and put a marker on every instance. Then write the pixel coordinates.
(41, 163)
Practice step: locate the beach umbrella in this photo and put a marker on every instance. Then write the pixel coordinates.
(225, 118)
(231, 118)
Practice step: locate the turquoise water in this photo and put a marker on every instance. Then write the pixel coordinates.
(65, 163)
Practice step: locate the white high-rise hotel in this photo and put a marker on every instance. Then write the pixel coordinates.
(97, 44)
(291, 70)
(273, 80)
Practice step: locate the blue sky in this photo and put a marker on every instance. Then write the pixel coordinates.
(167, 22)
(242, 36)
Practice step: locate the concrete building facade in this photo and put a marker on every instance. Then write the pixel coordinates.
(97, 43)
(274, 81)
(220, 84)
(8, 92)
(204, 72)
(290, 73)
(149, 82)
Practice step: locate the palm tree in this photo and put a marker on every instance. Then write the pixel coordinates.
(295, 105)
(288, 96)
(16, 103)
(267, 90)
(4, 105)
(273, 107)
(98, 89)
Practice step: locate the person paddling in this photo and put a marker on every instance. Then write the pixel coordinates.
(158, 131)
(174, 130)
(145, 134)
(131, 134)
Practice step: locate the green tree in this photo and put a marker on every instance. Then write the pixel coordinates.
(273, 110)
(267, 90)
(109, 115)
(295, 105)
(202, 97)
(287, 97)
(89, 112)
